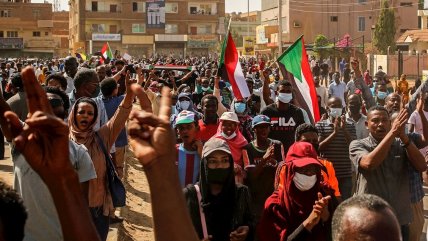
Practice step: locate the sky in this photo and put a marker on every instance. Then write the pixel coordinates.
(231, 5)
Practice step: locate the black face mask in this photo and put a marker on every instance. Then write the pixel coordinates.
(217, 175)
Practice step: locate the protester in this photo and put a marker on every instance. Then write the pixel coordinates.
(365, 217)
(17, 101)
(300, 210)
(402, 88)
(337, 88)
(335, 134)
(261, 157)
(353, 114)
(56, 80)
(382, 161)
(225, 206)
(208, 125)
(70, 68)
(190, 150)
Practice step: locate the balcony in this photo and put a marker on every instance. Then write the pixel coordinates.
(202, 17)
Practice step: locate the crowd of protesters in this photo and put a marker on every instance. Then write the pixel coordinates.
(219, 167)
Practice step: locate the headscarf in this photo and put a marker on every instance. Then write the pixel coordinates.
(236, 144)
(79, 136)
(218, 209)
(287, 208)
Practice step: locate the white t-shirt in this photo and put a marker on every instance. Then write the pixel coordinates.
(322, 92)
(415, 119)
(43, 221)
(338, 90)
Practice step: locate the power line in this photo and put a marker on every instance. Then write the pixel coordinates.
(347, 12)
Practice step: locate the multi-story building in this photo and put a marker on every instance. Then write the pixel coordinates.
(60, 33)
(335, 18)
(244, 24)
(26, 29)
(140, 28)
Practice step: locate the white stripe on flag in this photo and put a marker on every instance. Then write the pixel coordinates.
(240, 81)
(305, 92)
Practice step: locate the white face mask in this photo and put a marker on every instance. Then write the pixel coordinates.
(335, 112)
(228, 137)
(284, 97)
(304, 182)
(205, 88)
(184, 104)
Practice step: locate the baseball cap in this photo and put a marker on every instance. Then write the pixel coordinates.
(260, 119)
(302, 154)
(215, 144)
(230, 116)
(185, 117)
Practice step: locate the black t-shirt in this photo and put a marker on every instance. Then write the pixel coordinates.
(283, 124)
(261, 186)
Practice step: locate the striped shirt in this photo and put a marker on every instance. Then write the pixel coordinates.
(188, 165)
(338, 150)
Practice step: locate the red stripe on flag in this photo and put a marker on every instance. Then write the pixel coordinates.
(306, 70)
(230, 61)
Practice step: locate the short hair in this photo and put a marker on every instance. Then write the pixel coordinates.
(60, 93)
(62, 80)
(12, 213)
(108, 85)
(285, 83)
(365, 201)
(377, 108)
(16, 81)
(119, 61)
(304, 128)
(208, 97)
(83, 76)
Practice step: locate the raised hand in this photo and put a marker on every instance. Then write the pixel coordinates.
(400, 122)
(151, 136)
(44, 139)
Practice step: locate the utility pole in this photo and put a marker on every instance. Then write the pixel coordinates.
(279, 27)
(248, 18)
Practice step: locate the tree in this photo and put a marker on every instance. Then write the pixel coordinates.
(384, 33)
(321, 44)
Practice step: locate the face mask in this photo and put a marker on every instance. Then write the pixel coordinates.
(284, 97)
(205, 88)
(335, 112)
(240, 107)
(217, 175)
(304, 182)
(381, 95)
(228, 137)
(185, 104)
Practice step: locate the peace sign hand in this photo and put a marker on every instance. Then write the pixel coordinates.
(151, 136)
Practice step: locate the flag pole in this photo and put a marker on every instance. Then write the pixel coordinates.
(220, 61)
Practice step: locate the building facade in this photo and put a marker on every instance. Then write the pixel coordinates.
(244, 24)
(26, 29)
(141, 28)
(335, 18)
(60, 33)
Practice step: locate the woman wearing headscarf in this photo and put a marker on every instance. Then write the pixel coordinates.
(219, 208)
(298, 211)
(241, 109)
(81, 122)
(228, 130)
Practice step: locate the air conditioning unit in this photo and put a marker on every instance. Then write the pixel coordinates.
(296, 24)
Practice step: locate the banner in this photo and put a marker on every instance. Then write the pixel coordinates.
(155, 10)
(261, 35)
(249, 42)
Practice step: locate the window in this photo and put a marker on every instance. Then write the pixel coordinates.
(46, 33)
(139, 7)
(362, 1)
(171, 28)
(98, 28)
(5, 13)
(94, 6)
(12, 34)
(171, 7)
(36, 13)
(113, 8)
(361, 24)
(200, 29)
(113, 29)
(138, 28)
(406, 4)
(36, 34)
(333, 18)
(1, 34)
